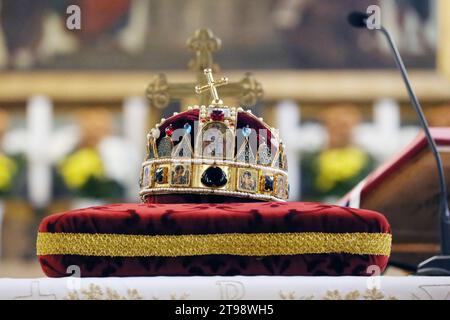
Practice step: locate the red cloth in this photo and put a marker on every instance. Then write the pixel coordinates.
(177, 219)
(244, 119)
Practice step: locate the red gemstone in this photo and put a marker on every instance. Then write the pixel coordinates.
(217, 115)
(169, 131)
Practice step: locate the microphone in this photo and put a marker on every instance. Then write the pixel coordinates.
(358, 19)
(437, 265)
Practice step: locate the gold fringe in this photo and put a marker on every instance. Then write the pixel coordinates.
(242, 244)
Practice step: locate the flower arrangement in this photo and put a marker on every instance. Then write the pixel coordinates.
(335, 166)
(84, 175)
(333, 172)
(8, 171)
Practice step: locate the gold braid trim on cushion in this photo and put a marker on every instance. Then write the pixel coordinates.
(242, 244)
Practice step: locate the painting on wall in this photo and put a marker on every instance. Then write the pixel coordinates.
(262, 34)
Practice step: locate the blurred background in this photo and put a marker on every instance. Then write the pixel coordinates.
(73, 113)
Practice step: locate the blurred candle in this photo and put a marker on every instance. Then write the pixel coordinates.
(288, 121)
(39, 126)
(386, 115)
(135, 113)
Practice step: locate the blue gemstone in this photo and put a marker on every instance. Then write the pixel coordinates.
(187, 127)
(246, 131)
(268, 183)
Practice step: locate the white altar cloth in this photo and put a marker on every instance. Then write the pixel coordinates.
(239, 287)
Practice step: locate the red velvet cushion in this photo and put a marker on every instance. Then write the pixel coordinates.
(273, 229)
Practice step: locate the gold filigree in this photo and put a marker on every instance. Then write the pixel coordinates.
(173, 296)
(252, 91)
(291, 295)
(95, 292)
(353, 295)
(243, 244)
(183, 296)
(337, 295)
(279, 191)
(376, 294)
(203, 44)
(369, 294)
(158, 92)
(212, 86)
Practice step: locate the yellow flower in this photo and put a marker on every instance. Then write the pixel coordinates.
(7, 170)
(77, 168)
(336, 165)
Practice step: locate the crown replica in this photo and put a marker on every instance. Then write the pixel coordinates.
(215, 149)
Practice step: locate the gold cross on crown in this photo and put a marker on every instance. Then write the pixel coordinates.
(212, 86)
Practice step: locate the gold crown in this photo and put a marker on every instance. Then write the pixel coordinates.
(214, 149)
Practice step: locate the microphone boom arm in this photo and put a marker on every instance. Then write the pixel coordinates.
(444, 209)
(440, 264)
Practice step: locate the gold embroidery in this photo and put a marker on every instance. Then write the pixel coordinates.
(375, 294)
(291, 295)
(95, 292)
(243, 244)
(183, 296)
(337, 295)
(369, 294)
(352, 295)
(231, 168)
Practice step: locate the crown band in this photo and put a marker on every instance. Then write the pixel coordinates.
(217, 163)
(207, 176)
(207, 191)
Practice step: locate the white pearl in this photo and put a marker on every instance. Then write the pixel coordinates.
(155, 133)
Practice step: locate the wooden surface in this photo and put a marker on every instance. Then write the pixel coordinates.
(409, 199)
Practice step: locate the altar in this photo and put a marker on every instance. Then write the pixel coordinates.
(124, 176)
(228, 288)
